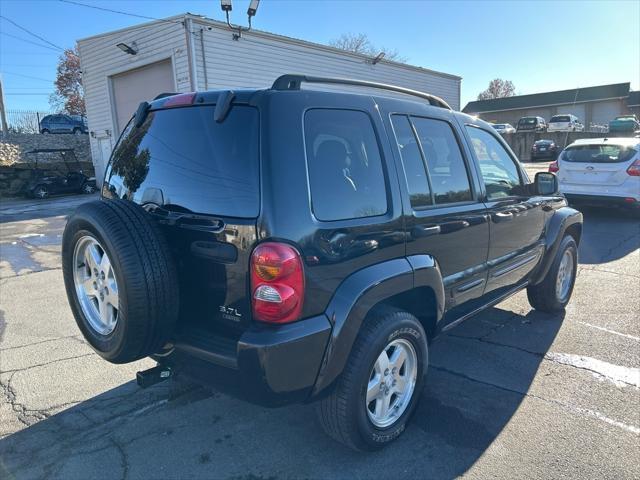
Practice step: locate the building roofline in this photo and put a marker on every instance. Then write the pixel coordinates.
(549, 105)
(261, 33)
(548, 99)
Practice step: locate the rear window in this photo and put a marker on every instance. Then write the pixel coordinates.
(499, 125)
(528, 121)
(597, 153)
(184, 159)
(560, 118)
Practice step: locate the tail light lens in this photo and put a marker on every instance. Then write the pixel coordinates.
(554, 167)
(277, 283)
(634, 168)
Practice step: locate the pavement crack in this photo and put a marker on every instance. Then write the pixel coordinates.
(24, 415)
(5, 280)
(124, 457)
(16, 370)
(575, 410)
(74, 337)
(544, 356)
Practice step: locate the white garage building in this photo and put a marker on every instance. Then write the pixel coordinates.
(186, 53)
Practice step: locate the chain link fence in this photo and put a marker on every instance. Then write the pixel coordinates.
(25, 121)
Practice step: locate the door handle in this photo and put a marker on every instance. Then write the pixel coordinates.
(503, 216)
(449, 227)
(420, 232)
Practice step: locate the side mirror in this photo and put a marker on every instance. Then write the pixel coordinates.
(546, 183)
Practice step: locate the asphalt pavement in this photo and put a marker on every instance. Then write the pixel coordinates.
(511, 393)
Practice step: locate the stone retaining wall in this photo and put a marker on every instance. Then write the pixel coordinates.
(16, 164)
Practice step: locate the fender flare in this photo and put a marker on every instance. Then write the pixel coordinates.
(356, 296)
(560, 221)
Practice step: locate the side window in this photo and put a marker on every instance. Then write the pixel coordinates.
(414, 171)
(346, 177)
(499, 171)
(445, 165)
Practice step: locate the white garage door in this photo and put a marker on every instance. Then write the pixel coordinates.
(603, 112)
(135, 86)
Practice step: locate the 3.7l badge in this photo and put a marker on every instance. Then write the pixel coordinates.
(230, 313)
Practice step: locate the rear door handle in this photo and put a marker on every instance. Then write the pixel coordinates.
(420, 232)
(503, 216)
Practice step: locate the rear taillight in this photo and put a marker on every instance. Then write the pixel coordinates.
(634, 168)
(554, 167)
(277, 283)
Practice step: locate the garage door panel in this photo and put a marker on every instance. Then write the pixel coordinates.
(142, 84)
(603, 112)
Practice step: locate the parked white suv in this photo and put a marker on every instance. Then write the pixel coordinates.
(600, 171)
(565, 123)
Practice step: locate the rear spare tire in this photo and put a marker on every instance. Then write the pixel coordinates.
(120, 279)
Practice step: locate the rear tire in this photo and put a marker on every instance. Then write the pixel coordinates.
(346, 414)
(140, 269)
(554, 292)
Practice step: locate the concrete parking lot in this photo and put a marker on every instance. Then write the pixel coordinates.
(511, 393)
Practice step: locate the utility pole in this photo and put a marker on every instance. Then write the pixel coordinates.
(3, 112)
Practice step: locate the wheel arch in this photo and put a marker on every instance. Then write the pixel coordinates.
(413, 284)
(564, 221)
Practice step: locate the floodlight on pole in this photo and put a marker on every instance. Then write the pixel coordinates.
(226, 7)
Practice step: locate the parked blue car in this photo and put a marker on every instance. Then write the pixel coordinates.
(61, 123)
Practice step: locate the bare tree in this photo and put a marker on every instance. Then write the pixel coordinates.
(498, 88)
(69, 94)
(360, 43)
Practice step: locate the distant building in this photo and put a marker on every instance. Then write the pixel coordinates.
(187, 52)
(633, 102)
(592, 105)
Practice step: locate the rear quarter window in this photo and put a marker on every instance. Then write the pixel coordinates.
(184, 159)
(346, 177)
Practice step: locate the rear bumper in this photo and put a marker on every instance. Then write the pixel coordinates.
(545, 154)
(603, 200)
(268, 365)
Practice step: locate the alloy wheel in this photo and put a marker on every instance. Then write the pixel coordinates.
(95, 285)
(391, 383)
(565, 276)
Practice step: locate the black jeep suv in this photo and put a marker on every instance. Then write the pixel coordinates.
(291, 245)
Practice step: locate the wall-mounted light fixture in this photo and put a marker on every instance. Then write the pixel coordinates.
(226, 7)
(131, 50)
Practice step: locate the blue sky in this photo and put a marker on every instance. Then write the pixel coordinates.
(540, 46)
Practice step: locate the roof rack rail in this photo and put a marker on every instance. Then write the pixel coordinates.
(293, 82)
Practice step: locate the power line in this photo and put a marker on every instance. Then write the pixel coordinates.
(32, 34)
(28, 76)
(104, 9)
(28, 41)
(27, 94)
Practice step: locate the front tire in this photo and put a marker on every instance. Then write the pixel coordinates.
(88, 189)
(41, 192)
(554, 292)
(381, 383)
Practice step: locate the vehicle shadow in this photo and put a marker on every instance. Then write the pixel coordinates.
(478, 377)
(619, 230)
